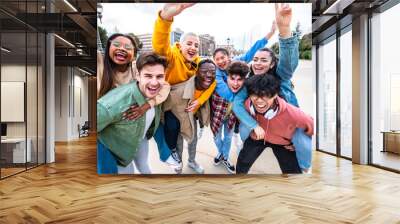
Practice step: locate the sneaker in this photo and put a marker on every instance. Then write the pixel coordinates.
(178, 170)
(228, 166)
(172, 162)
(176, 157)
(218, 159)
(196, 167)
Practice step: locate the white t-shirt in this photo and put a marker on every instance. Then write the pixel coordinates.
(150, 114)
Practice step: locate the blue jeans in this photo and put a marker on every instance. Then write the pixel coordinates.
(224, 145)
(301, 142)
(303, 148)
(106, 162)
(162, 146)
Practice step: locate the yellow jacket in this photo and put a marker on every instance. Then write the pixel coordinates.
(179, 69)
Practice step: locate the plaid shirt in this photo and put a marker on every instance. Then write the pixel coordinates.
(219, 108)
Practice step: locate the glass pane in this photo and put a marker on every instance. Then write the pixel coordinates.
(386, 89)
(41, 98)
(346, 94)
(31, 98)
(13, 87)
(327, 97)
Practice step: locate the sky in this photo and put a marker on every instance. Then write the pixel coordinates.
(242, 23)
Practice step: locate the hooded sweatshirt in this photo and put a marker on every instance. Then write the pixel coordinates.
(281, 127)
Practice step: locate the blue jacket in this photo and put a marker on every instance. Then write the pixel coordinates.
(221, 75)
(287, 64)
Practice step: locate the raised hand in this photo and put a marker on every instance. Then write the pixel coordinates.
(172, 9)
(283, 17)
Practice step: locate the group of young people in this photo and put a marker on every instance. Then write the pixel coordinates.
(170, 93)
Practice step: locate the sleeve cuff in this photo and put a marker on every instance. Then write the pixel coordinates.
(294, 39)
(163, 24)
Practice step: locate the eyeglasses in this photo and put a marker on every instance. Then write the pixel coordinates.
(208, 72)
(118, 44)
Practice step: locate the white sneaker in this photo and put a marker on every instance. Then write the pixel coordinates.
(172, 162)
(196, 167)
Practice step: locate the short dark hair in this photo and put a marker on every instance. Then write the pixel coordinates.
(205, 61)
(263, 85)
(238, 68)
(220, 49)
(150, 58)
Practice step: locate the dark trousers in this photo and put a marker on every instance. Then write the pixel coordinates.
(172, 128)
(236, 129)
(252, 149)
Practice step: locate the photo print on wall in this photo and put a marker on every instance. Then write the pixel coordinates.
(203, 88)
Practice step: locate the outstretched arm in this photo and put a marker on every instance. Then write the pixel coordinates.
(162, 27)
(222, 87)
(248, 56)
(288, 44)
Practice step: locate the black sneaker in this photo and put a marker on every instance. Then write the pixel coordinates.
(228, 166)
(176, 157)
(218, 159)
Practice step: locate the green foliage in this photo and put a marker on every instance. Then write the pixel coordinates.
(275, 48)
(306, 55)
(305, 45)
(103, 36)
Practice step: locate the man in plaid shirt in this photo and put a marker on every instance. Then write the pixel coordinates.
(222, 117)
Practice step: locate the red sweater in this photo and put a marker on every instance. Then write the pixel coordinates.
(280, 129)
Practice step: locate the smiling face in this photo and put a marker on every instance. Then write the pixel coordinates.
(151, 79)
(222, 60)
(121, 50)
(262, 62)
(205, 76)
(189, 47)
(262, 103)
(235, 82)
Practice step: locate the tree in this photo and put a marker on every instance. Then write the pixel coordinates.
(305, 46)
(275, 48)
(103, 36)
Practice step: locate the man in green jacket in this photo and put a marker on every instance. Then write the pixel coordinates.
(121, 142)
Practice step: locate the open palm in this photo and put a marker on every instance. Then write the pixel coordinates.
(283, 17)
(172, 9)
(283, 14)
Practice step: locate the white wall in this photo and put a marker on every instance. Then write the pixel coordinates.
(70, 83)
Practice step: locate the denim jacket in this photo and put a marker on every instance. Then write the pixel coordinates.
(287, 64)
(123, 137)
(221, 75)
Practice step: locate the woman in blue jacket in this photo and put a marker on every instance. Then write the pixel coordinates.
(265, 62)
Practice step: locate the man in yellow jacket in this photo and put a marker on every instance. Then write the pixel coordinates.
(183, 59)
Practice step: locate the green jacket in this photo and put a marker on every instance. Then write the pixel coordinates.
(120, 136)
